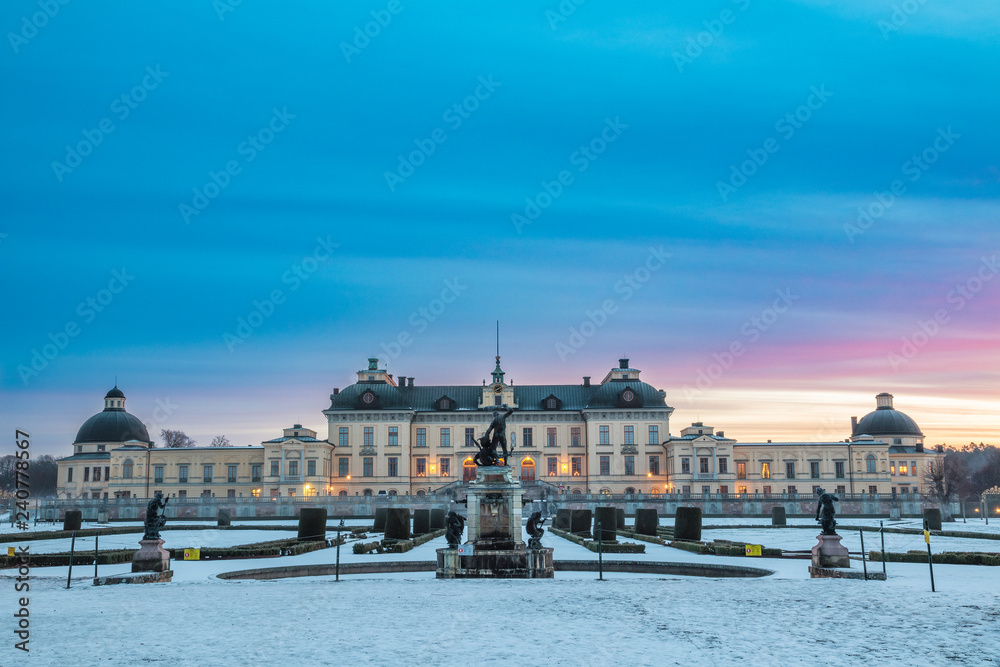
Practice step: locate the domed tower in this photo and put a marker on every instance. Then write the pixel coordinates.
(888, 424)
(85, 473)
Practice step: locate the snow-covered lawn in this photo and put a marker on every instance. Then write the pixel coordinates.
(414, 619)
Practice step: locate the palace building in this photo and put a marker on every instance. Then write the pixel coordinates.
(390, 436)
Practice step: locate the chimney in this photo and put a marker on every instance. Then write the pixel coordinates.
(586, 380)
(623, 363)
(920, 447)
(336, 390)
(402, 381)
(854, 424)
(721, 434)
(409, 382)
(769, 440)
(940, 449)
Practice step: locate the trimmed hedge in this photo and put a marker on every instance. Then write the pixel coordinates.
(723, 549)
(606, 547)
(396, 546)
(695, 547)
(946, 558)
(121, 530)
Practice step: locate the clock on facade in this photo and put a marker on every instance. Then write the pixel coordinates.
(368, 397)
(628, 396)
(498, 388)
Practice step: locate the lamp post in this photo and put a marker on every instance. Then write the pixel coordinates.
(348, 486)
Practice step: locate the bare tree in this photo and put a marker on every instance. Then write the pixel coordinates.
(176, 439)
(220, 441)
(944, 480)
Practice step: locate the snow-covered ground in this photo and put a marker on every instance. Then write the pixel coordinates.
(199, 539)
(414, 619)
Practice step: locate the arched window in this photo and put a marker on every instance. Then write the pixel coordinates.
(528, 469)
(605, 491)
(629, 491)
(420, 492)
(392, 493)
(576, 492)
(870, 462)
(551, 403)
(127, 469)
(342, 494)
(468, 470)
(654, 491)
(367, 492)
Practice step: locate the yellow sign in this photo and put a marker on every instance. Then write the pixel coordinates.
(192, 554)
(10, 551)
(753, 549)
(927, 536)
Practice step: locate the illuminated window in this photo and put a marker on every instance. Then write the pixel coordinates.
(444, 467)
(741, 470)
(913, 468)
(902, 468)
(255, 493)
(468, 470)
(654, 465)
(552, 466)
(421, 467)
(528, 469)
(577, 463)
(765, 471)
(892, 469)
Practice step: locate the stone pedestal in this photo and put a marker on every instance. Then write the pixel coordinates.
(494, 533)
(829, 552)
(151, 557)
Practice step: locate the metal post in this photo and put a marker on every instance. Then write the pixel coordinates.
(963, 512)
(600, 554)
(930, 557)
(97, 536)
(864, 563)
(72, 548)
(340, 527)
(883, 545)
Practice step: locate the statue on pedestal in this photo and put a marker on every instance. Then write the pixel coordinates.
(454, 527)
(155, 519)
(496, 436)
(535, 530)
(825, 512)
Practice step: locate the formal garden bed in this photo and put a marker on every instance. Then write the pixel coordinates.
(605, 547)
(945, 558)
(395, 546)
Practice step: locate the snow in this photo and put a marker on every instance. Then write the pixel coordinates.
(414, 619)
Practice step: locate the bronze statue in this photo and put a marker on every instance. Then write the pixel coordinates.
(498, 428)
(154, 516)
(535, 530)
(487, 455)
(454, 528)
(825, 512)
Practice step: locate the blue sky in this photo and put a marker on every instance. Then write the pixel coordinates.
(867, 86)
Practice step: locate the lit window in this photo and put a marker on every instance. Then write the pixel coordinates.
(445, 467)
(765, 471)
(654, 465)
(421, 467)
(741, 470)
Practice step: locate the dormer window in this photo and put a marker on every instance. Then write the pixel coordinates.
(100, 448)
(550, 404)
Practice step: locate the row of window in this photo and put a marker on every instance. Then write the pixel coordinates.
(839, 467)
(527, 435)
(903, 470)
(87, 473)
